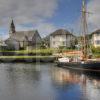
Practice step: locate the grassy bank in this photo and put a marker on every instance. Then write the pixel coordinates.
(39, 53)
(36, 55)
(96, 55)
(26, 59)
(43, 52)
(22, 57)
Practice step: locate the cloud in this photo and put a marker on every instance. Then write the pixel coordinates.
(34, 12)
(24, 11)
(43, 28)
(94, 19)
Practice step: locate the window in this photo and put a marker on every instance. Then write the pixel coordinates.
(98, 34)
(54, 36)
(97, 42)
(53, 42)
(63, 43)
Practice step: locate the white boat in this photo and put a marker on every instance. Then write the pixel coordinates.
(64, 59)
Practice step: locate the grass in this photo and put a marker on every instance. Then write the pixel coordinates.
(29, 52)
(96, 55)
(22, 57)
(39, 53)
(96, 52)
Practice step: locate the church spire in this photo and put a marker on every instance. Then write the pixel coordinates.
(12, 27)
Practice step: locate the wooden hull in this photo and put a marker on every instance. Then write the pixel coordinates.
(91, 66)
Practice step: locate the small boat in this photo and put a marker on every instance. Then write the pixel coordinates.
(86, 63)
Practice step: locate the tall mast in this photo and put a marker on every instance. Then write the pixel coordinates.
(84, 30)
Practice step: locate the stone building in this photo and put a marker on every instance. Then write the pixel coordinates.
(23, 39)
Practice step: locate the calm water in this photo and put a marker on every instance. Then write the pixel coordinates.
(46, 82)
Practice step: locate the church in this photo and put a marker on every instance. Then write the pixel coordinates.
(23, 39)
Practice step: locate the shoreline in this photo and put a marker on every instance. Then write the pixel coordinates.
(27, 59)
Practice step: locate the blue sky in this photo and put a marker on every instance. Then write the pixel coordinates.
(67, 12)
(45, 15)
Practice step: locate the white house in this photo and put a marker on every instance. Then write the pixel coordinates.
(61, 38)
(96, 39)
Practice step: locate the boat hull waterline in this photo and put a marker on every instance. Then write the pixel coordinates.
(88, 66)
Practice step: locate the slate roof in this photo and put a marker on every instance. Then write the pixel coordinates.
(96, 32)
(60, 32)
(23, 35)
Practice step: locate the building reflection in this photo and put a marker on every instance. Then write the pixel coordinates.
(62, 76)
(89, 86)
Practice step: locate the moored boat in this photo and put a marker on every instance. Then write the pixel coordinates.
(89, 65)
(84, 61)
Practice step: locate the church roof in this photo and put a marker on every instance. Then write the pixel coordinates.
(23, 35)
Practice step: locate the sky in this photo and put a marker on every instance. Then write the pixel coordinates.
(46, 16)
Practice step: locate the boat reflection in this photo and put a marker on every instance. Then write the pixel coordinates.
(63, 76)
(89, 85)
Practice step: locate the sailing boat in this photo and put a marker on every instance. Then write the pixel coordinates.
(86, 63)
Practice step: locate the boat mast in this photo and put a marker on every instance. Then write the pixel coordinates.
(84, 30)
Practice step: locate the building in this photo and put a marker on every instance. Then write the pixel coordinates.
(62, 38)
(23, 39)
(96, 39)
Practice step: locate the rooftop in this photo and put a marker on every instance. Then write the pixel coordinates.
(96, 32)
(61, 32)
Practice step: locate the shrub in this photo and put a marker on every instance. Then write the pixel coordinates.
(96, 50)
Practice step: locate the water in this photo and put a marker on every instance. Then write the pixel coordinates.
(46, 82)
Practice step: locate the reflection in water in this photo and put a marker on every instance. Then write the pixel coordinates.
(46, 82)
(88, 86)
(62, 76)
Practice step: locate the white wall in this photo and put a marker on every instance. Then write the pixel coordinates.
(96, 40)
(59, 40)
